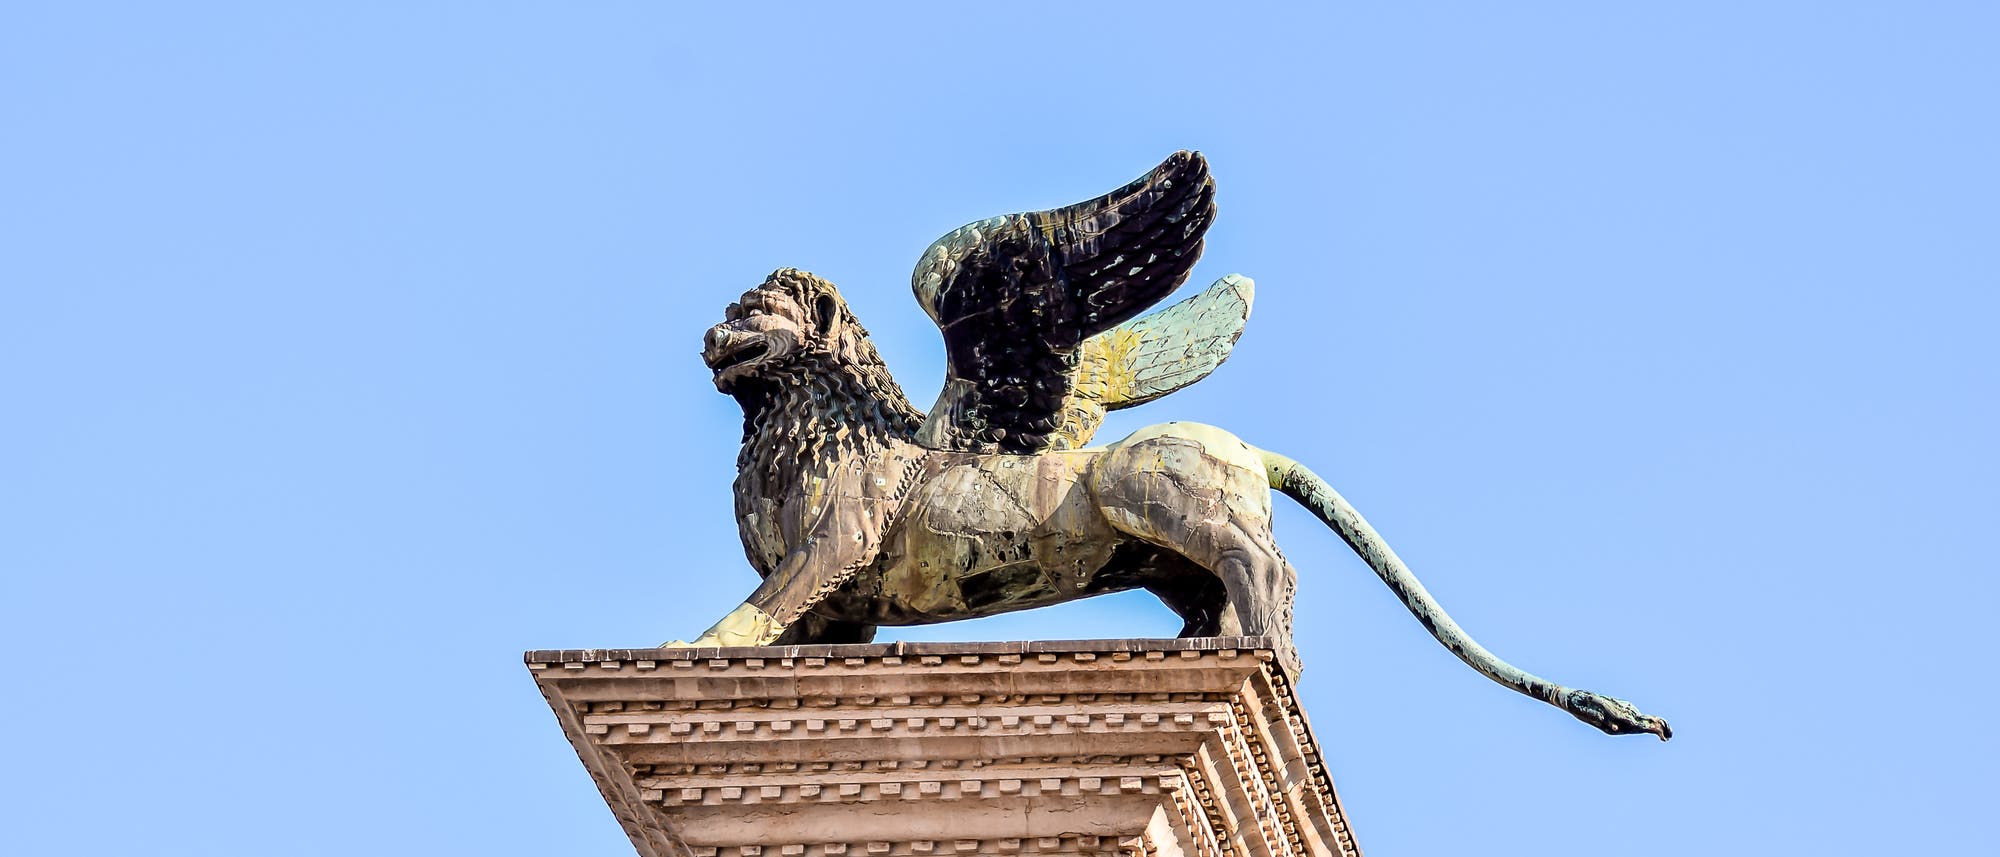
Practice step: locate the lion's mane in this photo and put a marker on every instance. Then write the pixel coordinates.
(832, 399)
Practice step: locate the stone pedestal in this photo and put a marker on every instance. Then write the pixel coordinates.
(1131, 747)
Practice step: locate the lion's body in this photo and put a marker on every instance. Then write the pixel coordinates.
(975, 535)
(984, 534)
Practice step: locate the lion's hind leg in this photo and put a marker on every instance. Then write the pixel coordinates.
(1198, 597)
(1169, 492)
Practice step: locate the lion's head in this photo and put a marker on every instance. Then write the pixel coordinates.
(790, 349)
(795, 323)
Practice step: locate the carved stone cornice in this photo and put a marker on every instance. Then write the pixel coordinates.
(1134, 747)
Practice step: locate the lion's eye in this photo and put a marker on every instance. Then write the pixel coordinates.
(829, 312)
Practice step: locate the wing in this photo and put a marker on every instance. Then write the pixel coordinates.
(1016, 296)
(1146, 358)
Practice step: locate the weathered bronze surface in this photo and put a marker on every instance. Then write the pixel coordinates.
(859, 510)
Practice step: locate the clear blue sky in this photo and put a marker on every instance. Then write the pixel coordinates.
(348, 350)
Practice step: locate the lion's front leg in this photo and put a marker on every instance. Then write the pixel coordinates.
(807, 576)
(755, 622)
(843, 534)
(747, 625)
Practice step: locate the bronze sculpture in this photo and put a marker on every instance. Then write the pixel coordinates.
(859, 510)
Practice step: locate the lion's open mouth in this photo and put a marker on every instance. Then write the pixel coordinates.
(744, 355)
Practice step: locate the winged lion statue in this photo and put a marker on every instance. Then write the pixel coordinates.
(859, 510)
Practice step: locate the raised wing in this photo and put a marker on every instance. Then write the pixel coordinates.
(1017, 296)
(1146, 358)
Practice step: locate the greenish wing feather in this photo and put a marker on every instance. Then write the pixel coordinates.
(1146, 358)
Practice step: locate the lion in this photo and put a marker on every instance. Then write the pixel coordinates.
(859, 511)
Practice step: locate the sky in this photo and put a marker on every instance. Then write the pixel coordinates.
(350, 349)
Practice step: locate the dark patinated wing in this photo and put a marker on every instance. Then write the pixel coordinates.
(1016, 296)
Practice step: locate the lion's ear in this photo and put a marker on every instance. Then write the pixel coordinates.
(827, 310)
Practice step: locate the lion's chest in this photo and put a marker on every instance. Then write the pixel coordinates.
(814, 502)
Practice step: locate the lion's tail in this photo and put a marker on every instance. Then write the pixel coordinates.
(1314, 493)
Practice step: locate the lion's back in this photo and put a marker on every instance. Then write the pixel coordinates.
(1200, 460)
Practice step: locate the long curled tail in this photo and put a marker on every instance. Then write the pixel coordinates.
(1613, 716)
